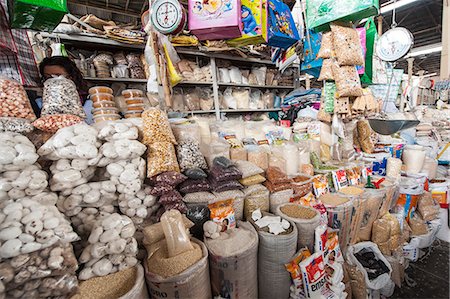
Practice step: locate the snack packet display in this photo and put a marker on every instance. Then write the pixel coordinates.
(222, 212)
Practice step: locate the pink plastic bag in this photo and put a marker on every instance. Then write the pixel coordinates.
(362, 39)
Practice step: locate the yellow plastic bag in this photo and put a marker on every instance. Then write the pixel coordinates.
(174, 77)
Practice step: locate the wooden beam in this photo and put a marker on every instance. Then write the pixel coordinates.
(127, 4)
(116, 10)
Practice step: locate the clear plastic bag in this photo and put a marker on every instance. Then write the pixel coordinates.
(276, 176)
(58, 259)
(60, 96)
(196, 173)
(260, 75)
(170, 197)
(235, 75)
(242, 97)
(255, 202)
(14, 100)
(258, 156)
(161, 157)
(14, 124)
(347, 81)
(159, 190)
(192, 100)
(277, 187)
(186, 132)
(238, 153)
(217, 148)
(229, 99)
(255, 100)
(171, 178)
(347, 45)
(248, 169)
(225, 185)
(206, 99)
(192, 186)
(220, 174)
(190, 156)
(252, 180)
(63, 286)
(156, 127)
(199, 197)
(224, 75)
(177, 100)
(326, 72)
(268, 99)
(326, 46)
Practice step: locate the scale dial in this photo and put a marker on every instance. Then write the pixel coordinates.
(167, 16)
(394, 44)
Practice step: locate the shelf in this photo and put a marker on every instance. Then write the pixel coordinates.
(129, 80)
(250, 110)
(90, 40)
(256, 86)
(199, 112)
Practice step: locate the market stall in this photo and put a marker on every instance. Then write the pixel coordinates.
(286, 193)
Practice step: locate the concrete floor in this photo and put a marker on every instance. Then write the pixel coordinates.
(431, 275)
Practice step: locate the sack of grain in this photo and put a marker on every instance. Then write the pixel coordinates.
(191, 283)
(274, 251)
(125, 284)
(305, 218)
(233, 263)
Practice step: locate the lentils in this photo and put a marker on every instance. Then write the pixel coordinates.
(296, 211)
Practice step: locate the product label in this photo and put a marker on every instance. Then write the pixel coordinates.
(340, 179)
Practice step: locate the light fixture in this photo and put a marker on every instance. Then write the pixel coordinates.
(396, 5)
(425, 50)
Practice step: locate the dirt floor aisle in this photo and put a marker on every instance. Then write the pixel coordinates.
(431, 275)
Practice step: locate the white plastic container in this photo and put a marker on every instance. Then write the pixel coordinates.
(414, 158)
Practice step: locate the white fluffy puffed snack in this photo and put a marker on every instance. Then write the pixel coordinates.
(16, 152)
(111, 248)
(27, 226)
(75, 142)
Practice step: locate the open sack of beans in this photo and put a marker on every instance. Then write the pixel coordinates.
(16, 113)
(276, 248)
(175, 266)
(237, 247)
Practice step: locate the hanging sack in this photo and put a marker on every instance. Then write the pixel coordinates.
(39, 15)
(282, 30)
(371, 35)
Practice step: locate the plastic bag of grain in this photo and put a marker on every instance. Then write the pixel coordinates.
(125, 284)
(191, 283)
(372, 200)
(305, 218)
(260, 200)
(274, 251)
(233, 263)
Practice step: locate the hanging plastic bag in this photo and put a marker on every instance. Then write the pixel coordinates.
(371, 35)
(174, 77)
(37, 14)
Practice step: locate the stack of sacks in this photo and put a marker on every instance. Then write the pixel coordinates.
(279, 186)
(111, 247)
(423, 129)
(386, 233)
(256, 195)
(158, 137)
(126, 169)
(164, 185)
(176, 266)
(37, 260)
(224, 175)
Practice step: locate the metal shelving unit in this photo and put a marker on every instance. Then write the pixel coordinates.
(95, 42)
